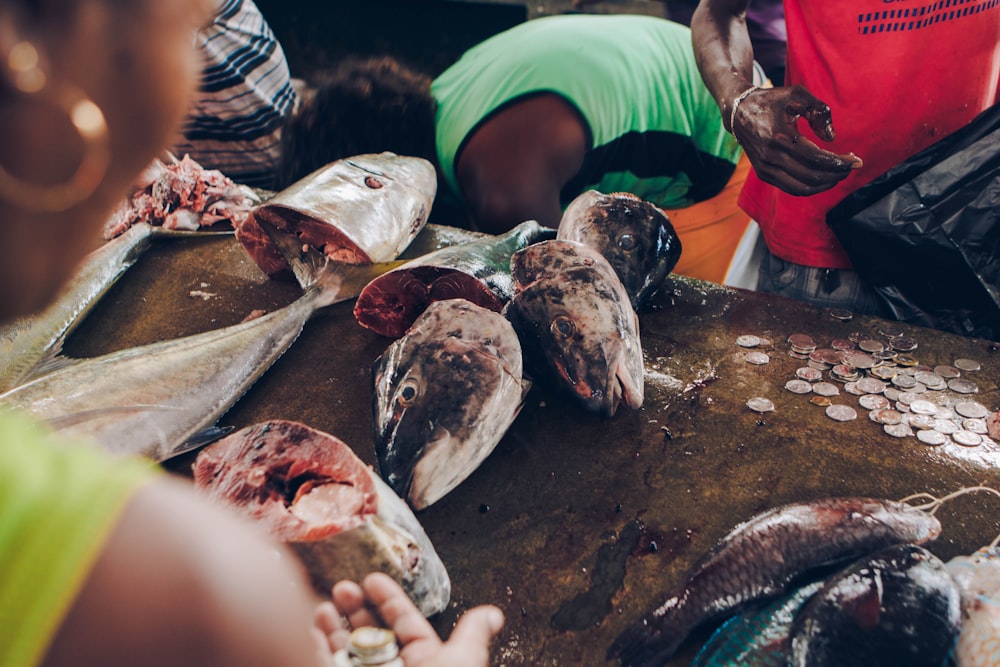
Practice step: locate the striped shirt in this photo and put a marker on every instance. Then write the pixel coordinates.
(244, 97)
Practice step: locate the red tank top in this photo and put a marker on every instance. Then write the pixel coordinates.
(898, 76)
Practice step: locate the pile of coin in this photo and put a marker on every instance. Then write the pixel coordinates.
(906, 397)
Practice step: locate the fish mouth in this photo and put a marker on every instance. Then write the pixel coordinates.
(624, 388)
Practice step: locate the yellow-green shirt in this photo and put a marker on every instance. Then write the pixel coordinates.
(59, 501)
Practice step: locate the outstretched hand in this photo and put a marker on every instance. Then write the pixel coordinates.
(766, 126)
(379, 601)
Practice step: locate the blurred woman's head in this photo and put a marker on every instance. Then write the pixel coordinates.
(90, 92)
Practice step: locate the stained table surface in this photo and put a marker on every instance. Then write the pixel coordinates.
(576, 525)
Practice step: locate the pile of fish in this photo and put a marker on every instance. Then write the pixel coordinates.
(837, 581)
(453, 382)
(309, 490)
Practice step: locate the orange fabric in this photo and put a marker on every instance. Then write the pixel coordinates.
(711, 230)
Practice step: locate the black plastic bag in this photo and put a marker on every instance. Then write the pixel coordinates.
(926, 234)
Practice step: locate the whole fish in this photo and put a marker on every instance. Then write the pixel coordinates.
(576, 325)
(445, 395)
(361, 209)
(978, 580)
(29, 344)
(634, 235)
(757, 637)
(310, 491)
(151, 400)
(478, 271)
(761, 557)
(898, 606)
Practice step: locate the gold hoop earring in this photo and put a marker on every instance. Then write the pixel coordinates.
(84, 116)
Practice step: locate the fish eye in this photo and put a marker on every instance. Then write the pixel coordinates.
(563, 326)
(373, 182)
(408, 392)
(626, 241)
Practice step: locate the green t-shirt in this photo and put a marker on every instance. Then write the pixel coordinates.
(58, 503)
(654, 128)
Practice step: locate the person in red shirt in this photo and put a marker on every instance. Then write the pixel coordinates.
(895, 77)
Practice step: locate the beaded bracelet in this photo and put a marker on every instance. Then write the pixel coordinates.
(736, 105)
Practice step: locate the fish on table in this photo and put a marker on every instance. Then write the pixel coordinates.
(30, 343)
(477, 271)
(444, 396)
(361, 209)
(309, 490)
(761, 557)
(634, 235)
(978, 578)
(576, 324)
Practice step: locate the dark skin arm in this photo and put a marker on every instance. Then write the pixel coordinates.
(515, 164)
(766, 120)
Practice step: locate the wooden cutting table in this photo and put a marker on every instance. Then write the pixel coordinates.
(577, 525)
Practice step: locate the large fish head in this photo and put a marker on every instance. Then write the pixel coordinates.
(582, 329)
(634, 235)
(445, 394)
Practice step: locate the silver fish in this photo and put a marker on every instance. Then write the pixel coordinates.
(150, 400)
(576, 325)
(761, 557)
(978, 580)
(309, 490)
(366, 208)
(634, 235)
(28, 344)
(445, 394)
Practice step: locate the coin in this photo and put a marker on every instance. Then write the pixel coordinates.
(809, 374)
(930, 437)
(756, 358)
(886, 416)
(760, 404)
(963, 386)
(902, 344)
(897, 430)
(922, 422)
(922, 407)
(827, 356)
(907, 397)
(966, 438)
(840, 314)
(975, 425)
(825, 389)
(821, 401)
(967, 364)
(841, 413)
(945, 426)
(842, 344)
(971, 409)
(929, 379)
(873, 402)
(748, 340)
(890, 330)
(852, 388)
(798, 386)
(859, 360)
(802, 341)
(947, 372)
(884, 372)
(871, 385)
(892, 393)
(871, 345)
(904, 381)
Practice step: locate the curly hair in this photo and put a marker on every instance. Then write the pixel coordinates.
(364, 105)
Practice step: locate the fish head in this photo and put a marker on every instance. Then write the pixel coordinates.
(579, 326)
(635, 236)
(445, 394)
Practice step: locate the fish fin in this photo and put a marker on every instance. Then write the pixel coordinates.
(52, 362)
(339, 281)
(306, 262)
(205, 436)
(83, 416)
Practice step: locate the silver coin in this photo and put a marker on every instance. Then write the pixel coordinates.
(890, 330)
(966, 438)
(765, 342)
(827, 356)
(904, 381)
(892, 393)
(802, 341)
(825, 389)
(852, 388)
(809, 374)
(797, 355)
(841, 413)
(871, 345)
(760, 404)
(748, 340)
(902, 407)
(977, 426)
(967, 364)
(963, 386)
(886, 416)
(971, 409)
(922, 422)
(945, 412)
(842, 344)
(945, 426)
(931, 437)
(756, 358)
(929, 378)
(874, 402)
(907, 397)
(871, 385)
(840, 314)
(922, 407)
(947, 372)
(859, 360)
(818, 365)
(898, 430)
(904, 370)
(798, 386)
(902, 344)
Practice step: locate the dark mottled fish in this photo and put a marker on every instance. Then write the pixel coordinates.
(633, 234)
(898, 606)
(978, 580)
(576, 325)
(757, 637)
(445, 395)
(478, 271)
(309, 490)
(761, 557)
